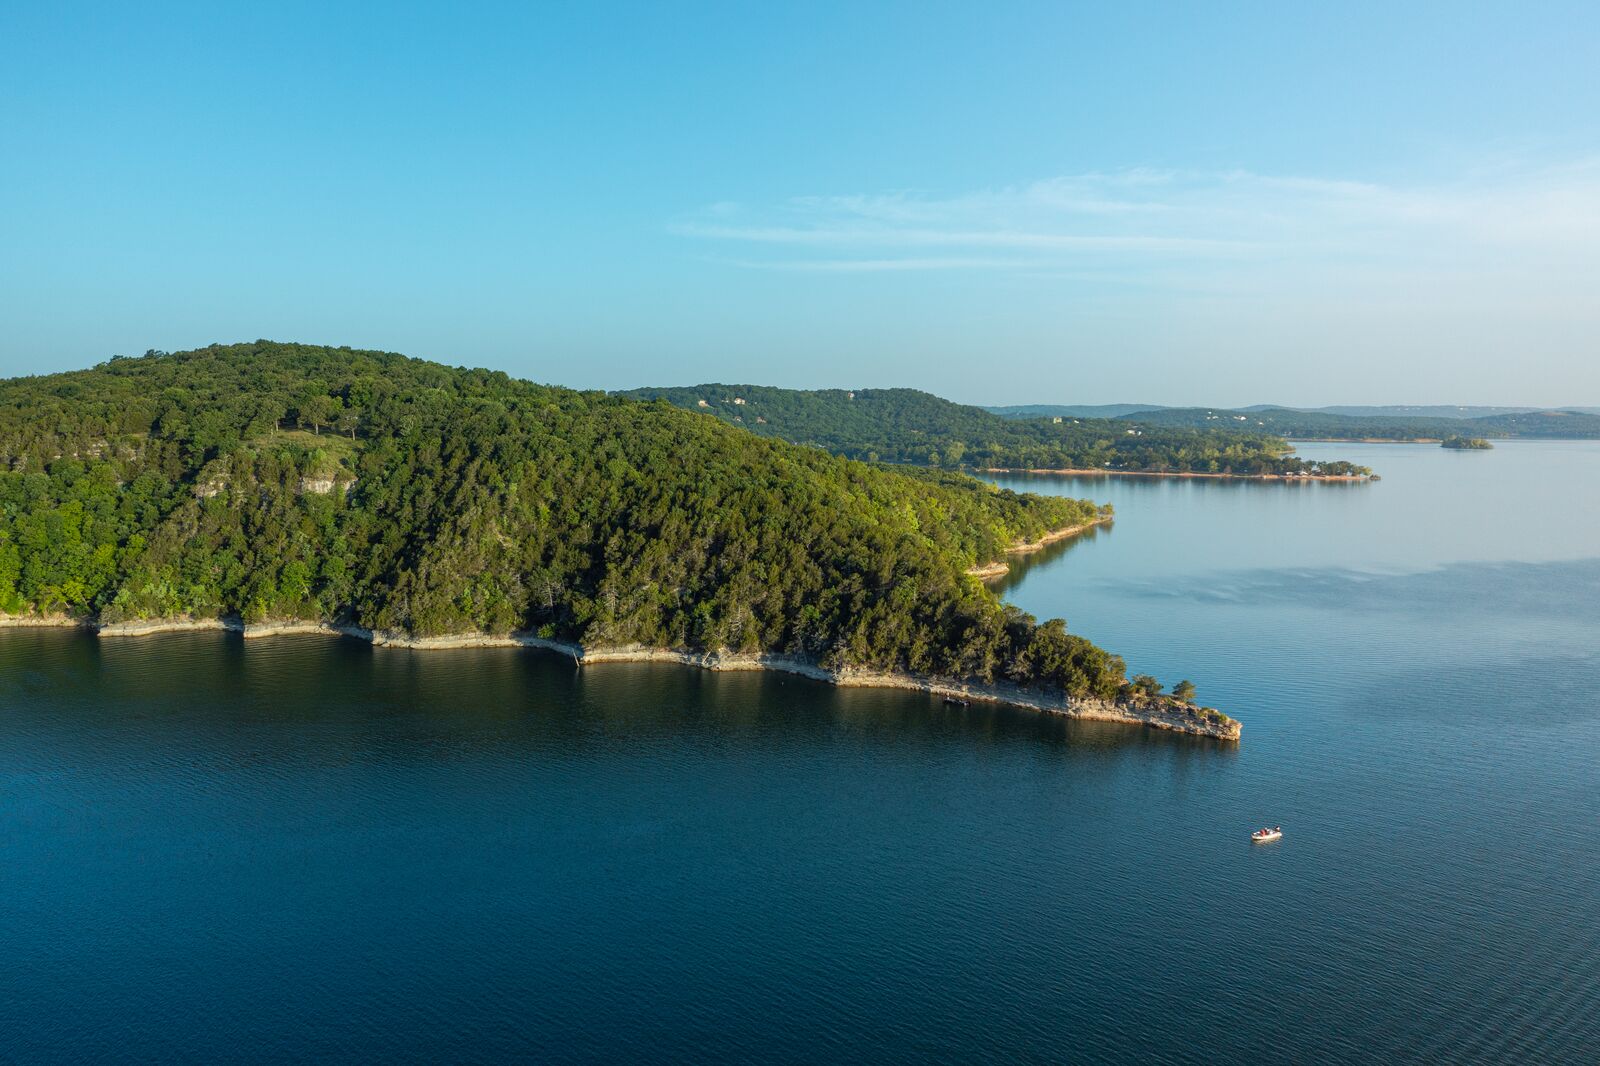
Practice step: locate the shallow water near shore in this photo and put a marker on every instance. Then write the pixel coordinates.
(305, 848)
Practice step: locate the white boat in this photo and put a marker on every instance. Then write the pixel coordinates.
(1267, 836)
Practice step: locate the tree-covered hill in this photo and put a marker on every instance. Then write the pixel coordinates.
(1548, 425)
(278, 481)
(1285, 422)
(908, 426)
(1068, 410)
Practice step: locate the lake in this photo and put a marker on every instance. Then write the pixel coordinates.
(305, 849)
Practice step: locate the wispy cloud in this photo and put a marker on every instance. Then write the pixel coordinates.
(860, 266)
(906, 237)
(1251, 227)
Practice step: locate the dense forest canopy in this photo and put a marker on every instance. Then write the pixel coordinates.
(908, 426)
(279, 481)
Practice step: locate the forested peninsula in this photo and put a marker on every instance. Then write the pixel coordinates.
(281, 487)
(908, 426)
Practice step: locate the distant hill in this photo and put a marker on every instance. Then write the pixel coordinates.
(1297, 424)
(1082, 410)
(1404, 410)
(1568, 425)
(908, 426)
(1424, 418)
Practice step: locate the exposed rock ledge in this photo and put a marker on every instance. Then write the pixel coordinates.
(1162, 712)
(42, 621)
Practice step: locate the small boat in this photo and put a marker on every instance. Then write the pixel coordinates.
(1267, 836)
(957, 701)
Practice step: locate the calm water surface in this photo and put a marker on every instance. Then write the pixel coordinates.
(313, 850)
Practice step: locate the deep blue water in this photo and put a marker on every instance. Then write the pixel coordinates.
(313, 850)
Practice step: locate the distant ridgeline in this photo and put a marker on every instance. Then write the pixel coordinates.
(280, 481)
(908, 426)
(1567, 424)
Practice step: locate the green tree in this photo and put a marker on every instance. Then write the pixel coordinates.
(315, 409)
(10, 570)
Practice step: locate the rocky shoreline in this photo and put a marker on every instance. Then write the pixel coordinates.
(1162, 712)
(1000, 569)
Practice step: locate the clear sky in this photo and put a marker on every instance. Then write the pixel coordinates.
(1217, 203)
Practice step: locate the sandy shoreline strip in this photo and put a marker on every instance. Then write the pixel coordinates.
(1097, 472)
(1000, 569)
(1363, 440)
(1155, 714)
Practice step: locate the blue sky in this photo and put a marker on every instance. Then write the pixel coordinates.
(1198, 203)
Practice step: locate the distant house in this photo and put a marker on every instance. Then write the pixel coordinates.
(1056, 420)
(738, 401)
(701, 403)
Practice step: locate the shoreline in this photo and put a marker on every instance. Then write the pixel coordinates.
(1161, 713)
(999, 568)
(1099, 472)
(1363, 440)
